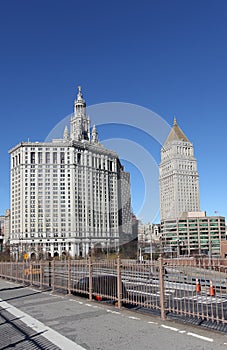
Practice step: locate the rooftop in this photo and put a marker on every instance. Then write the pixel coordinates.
(176, 134)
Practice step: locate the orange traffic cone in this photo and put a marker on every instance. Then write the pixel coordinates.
(212, 290)
(197, 286)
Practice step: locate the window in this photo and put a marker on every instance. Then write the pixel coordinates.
(62, 157)
(32, 157)
(47, 157)
(40, 158)
(55, 157)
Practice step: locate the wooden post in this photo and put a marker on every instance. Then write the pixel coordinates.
(162, 287)
(30, 268)
(69, 276)
(17, 272)
(41, 275)
(53, 275)
(90, 278)
(49, 274)
(119, 283)
(11, 271)
(23, 273)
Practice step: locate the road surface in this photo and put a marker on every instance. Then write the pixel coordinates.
(68, 322)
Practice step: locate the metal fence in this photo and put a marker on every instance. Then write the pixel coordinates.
(181, 287)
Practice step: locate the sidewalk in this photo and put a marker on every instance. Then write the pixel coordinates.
(16, 334)
(19, 330)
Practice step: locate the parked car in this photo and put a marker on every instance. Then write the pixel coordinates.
(104, 287)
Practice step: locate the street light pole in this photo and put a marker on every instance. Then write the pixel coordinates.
(140, 254)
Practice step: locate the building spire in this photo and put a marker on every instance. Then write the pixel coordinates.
(176, 134)
(66, 133)
(94, 135)
(79, 94)
(79, 101)
(79, 125)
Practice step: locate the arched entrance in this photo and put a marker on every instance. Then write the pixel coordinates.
(33, 256)
(56, 254)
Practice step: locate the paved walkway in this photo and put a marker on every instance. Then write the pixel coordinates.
(16, 334)
(34, 319)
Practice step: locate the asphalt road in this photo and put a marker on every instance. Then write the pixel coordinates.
(180, 295)
(69, 322)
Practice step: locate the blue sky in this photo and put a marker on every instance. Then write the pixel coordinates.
(167, 56)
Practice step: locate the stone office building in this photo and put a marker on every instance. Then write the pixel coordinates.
(179, 179)
(67, 195)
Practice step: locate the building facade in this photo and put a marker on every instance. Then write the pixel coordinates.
(2, 222)
(193, 233)
(148, 233)
(178, 179)
(67, 195)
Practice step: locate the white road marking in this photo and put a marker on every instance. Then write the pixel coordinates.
(48, 333)
(77, 301)
(204, 299)
(182, 332)
(146, 293)
(113, 312)
(200, 337)
(152, 322)
(134, 318)
(88, 305)
(171, 328)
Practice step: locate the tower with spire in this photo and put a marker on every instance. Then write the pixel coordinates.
(82, 202)
(80, 123)
(178, 176)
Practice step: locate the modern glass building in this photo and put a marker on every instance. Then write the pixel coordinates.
(193, 233)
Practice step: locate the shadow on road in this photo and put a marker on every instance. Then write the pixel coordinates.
(17, 334)
(22, 296)
(11, 288)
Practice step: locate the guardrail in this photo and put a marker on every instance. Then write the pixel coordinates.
(168, 287)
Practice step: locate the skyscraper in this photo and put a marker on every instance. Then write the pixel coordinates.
(67, 195)
(178, 180)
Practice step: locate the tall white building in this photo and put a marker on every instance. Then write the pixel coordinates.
(178, 180)
(67, 195)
